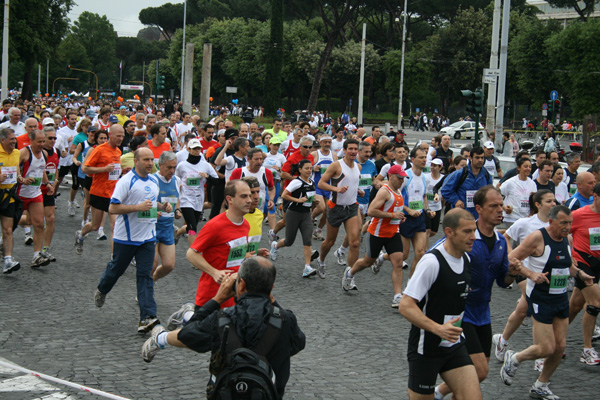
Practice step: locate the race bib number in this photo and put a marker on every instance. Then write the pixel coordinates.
(11, 175)
(430, 196)
(173, 201)
(470, 195)
(572, 189)
(524, 206)
(446, 343)
(311, 197)
(365, 181)
(261, 203)
(323, 169)
(427, 170)
(395, 221)
(594, 239)
(253, 242)
(193, 181)
(237, 252)
(416, 205)
(37, 178)
(558, 280)
(148, 216)
(115, 174)
(51, 174)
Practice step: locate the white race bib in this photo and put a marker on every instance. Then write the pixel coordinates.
(470, 195)
(594, 239)
(149, 216)
(311, 197)
(173, 201)
(11, 175)
(115, 174)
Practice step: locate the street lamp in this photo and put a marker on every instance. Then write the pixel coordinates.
(402, 64)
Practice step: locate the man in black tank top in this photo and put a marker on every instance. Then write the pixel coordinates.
(434, 303)
(550, 266)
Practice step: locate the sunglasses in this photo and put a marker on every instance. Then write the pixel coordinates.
(307, 147)
(51, 137)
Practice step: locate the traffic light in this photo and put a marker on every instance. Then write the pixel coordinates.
(474, 101)
(160, 82)
(69, 67)
(557, 105)
(550, 106)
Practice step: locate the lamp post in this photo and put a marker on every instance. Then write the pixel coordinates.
(183, 49)
(402, 65)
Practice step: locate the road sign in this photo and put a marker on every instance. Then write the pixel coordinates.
(231, 89)
(417, 109)
(554, 95)
(545, 106)
(491, 72)
(489, 79)
(132, 87)
(350, 102)
(544, 113)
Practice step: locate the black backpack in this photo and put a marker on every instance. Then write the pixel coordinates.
(241, 373)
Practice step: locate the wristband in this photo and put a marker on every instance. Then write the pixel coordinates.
(178, 209)
(512, 276)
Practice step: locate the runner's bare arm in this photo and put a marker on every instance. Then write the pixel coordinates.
(199, 262)
(411, 311)
(116, 208)
(334, 169)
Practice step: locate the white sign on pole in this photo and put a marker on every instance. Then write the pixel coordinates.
(544, 113)
(132, 87)
(231, 89)
(491, 72)
(490, 80)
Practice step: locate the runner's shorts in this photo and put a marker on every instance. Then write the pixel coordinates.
(412, 225)
(375, 244)
(546, 312)
(339, 214)
(100, 203)
(423, 370)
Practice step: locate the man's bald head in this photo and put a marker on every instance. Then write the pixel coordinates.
(585, 183)
(141, 152)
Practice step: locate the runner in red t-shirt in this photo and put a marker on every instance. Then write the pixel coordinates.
(221, 244)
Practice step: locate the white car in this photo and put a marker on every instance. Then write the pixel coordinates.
(461, 130)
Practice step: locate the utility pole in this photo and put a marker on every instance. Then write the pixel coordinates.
(361, 87)
(502, 77)
(4, 86)
(402, 65)
(183, 49)
(490, 121)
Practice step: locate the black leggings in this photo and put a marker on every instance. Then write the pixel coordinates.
(218, 196)
(295, 220)
(192, 218)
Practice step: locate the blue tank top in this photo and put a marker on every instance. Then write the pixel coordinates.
(167, 192)
(86, 148)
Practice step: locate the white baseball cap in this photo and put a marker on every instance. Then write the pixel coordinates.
(489, 145)
(47, 121)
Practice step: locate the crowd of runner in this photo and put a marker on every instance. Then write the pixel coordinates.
(160, 178)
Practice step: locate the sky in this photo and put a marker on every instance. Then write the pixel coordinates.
(123, 14)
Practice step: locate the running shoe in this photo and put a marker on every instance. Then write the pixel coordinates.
(99, 298)
(273, 236)
(133, 263)
(76, 204)
(273, 251)
(347, 281)
(71, 210)
(526, 321)
(405, 265)
(376, 267)
(314, 255)
(321, 269)
(509, 368)
(49, 256)
(396, 301)
(542, 392)
(101, 234)
(176, 319)
(1, 249)
(28, 239)
(147, 324)
(499, 348)
(318, 234)
(175, 235)
(590, 357)
(150, 346)
(308, 271)
(78, 243)
(10, 266)
(341, 257)
(39, 261)
(596, 334)
(538, 365)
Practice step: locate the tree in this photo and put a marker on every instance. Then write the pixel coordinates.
(576, 53)
(336, 16)
(98, 36)
(168, 18)
(36, 29)
(274, 61)
(584, 12)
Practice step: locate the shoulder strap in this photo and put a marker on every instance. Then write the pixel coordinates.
(266, 342)
(463, 177)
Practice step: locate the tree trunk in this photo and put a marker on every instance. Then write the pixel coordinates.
(27, 93)
(320, 71)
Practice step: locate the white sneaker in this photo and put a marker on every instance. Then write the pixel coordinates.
(376, 267)
(590, 357)
(542, 392)
(405, 265)
(76, 204)
(273, 251)
(596, 334)
(321, 269)
(273, 236)
(499, 348)
(71, 210)
(396, 301)
(340, 257)
(509, 368)
(308, 271)
(347, 281)
(539, 365)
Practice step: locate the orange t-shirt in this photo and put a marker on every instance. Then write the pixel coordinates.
(211, 151)
(104, 183)
(157, 151)
(23, 141)
(370, 139)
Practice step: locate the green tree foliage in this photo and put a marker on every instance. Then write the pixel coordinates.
(97, 35)
(36, 30)
(575, 52)
(274, 61)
